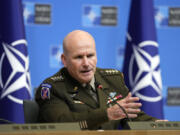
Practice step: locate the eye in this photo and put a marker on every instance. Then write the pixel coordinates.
(90, 55)
(79, 57)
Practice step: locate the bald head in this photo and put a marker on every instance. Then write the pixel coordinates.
(79, 55)
(75, 37)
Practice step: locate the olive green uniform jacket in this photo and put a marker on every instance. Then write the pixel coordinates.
(62, 99)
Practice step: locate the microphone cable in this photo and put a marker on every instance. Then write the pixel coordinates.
(98, 85)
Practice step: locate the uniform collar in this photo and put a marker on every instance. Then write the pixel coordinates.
(92, 83)
(75, 85)
(72, 84)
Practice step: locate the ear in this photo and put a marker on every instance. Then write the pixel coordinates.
(63, 59)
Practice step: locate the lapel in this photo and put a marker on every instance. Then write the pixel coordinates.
(102, 98)
(86, 98)
(101, 94)
(74, 87)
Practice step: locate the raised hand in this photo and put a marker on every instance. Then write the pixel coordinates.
(130, 105)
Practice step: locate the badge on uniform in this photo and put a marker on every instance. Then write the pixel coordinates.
(112, 94)
(78, 102)
(112, 97)
(45, 91)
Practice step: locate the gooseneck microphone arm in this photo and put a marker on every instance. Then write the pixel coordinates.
(98, 85)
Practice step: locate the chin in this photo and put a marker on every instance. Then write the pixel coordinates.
(86, 80)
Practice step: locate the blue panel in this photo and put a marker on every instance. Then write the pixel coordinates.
(66, 15)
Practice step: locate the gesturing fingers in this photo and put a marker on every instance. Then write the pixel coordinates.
(129, 104)
(132, 115)
(131, 99)
(132, 110)
(132, 105)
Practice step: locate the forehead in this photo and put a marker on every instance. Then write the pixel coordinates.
(82, 49)
(80, 43)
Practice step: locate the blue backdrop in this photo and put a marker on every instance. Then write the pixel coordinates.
(45, 40)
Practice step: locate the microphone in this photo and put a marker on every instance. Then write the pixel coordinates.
(98, 85)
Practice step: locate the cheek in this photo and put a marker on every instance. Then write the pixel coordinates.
(94, 62)
(75, 65)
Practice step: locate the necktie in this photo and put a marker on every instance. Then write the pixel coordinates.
(92, 92)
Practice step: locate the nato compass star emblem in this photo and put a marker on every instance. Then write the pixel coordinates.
(14, 71)
(144, 71)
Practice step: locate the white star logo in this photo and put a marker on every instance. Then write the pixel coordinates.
(92, 15)
(151, 78)
(17, 67)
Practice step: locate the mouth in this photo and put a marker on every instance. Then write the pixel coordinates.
(86, 71)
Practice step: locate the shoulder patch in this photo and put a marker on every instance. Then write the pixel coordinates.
(110, 72)
(57, 78)
(45, 91)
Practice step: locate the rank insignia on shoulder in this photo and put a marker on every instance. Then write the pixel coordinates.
(57, 78)
(45, 91)
(110, 72)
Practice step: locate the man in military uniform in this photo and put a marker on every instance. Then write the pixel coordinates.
(81, 92)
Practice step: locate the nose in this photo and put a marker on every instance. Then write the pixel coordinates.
(85, 61)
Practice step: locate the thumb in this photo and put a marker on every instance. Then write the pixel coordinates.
(129, 94)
